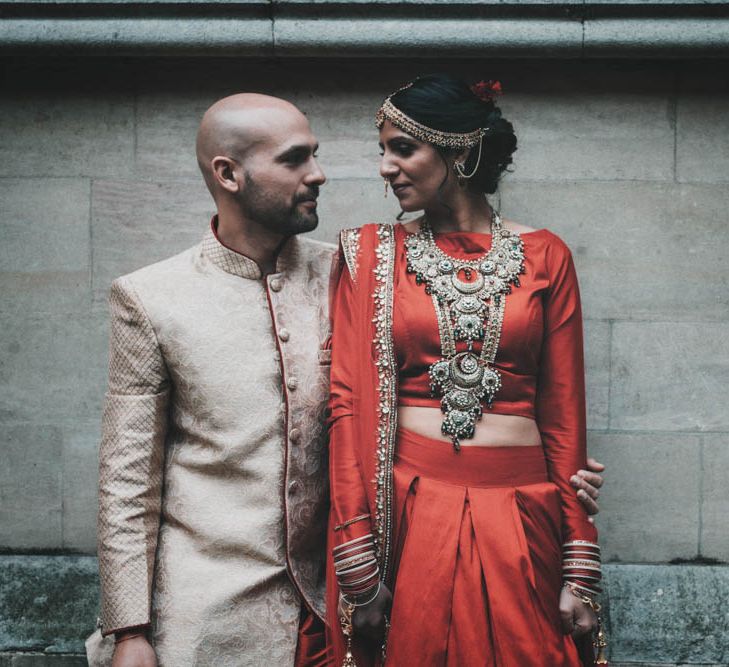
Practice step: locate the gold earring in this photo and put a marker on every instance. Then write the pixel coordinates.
(387, 183)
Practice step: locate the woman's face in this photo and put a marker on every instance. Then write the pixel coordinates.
(414, 169)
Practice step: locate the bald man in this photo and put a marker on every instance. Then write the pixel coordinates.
(212, 483)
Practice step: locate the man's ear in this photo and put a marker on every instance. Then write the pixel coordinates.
(224, 173)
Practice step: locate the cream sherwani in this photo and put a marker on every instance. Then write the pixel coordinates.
(213, 494)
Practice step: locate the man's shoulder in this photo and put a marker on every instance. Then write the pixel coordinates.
(161, 272)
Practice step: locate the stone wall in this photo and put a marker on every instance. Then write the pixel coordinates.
(628, 161)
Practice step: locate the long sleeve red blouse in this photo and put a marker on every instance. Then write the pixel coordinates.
(540, 358)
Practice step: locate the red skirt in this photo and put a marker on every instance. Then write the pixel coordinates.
(477, 560)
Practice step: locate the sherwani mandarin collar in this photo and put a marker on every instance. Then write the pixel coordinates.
(236, 263)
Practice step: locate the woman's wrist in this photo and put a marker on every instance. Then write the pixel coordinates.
(356, 569)
(582, 568)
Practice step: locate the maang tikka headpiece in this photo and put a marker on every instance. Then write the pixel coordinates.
(388, 111)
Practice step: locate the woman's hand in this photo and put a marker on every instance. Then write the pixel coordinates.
(369, 620)
(578, 618)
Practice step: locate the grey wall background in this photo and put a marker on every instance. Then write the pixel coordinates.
(627, 160)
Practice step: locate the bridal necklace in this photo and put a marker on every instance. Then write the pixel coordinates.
(469, 297)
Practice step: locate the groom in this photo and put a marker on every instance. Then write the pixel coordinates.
(212, 491)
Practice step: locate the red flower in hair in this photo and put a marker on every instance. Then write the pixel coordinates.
(487, 90)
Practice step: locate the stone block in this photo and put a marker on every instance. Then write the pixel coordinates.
(352, 203)
(47, 603)
(53, 368)
(702, 126)
(591, 122)
(31, 483)
(646, 475)
(45, 255)
(461, 37)
(643, 251)
(45, 660)
(135, 223)
(715, 497)
(666, 378)
(668, 613)
(71, 132)
(597, 373)
(80, 483)
(672, 37)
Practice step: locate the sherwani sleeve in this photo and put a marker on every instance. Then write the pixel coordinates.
(349, 507)
(131, 459)
(561, 389)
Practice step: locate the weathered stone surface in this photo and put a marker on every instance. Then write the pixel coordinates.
(656, 36)
(655, 614)
(31, 483)
(597, 372)
(52, 368)
(137, 223)
(44, 660)
(569, 127)
(643, 251)
(80, 482)
(70, 133)
(47, 603)
(715, 497)
(46, 247)
(352, 203)
(668, 613)
(646, 474)
(702, 132)
(666, 378)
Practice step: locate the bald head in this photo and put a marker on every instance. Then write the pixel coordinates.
(236, 124)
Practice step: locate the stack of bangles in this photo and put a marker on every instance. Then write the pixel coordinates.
(581, 571)
(358, 574)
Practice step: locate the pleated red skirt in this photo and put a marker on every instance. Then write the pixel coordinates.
(477, 560)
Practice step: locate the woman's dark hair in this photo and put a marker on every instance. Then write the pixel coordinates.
(443, 102)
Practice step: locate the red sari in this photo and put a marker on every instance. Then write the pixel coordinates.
(469, 542)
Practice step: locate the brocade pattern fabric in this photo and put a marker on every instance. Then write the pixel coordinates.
(213, 492)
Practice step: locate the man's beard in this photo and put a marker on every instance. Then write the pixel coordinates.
(273, 212)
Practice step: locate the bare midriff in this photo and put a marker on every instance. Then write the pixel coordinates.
(491, 430)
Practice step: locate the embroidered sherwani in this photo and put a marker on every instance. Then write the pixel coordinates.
(212, 483)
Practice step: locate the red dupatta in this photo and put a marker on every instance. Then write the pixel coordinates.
(363, 401)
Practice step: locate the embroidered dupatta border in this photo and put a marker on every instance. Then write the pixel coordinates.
(387, 391)
(350, 246)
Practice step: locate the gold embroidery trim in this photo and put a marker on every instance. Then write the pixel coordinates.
(387, 392)
(350, 247)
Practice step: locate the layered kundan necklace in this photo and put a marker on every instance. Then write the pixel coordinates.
(469, 298)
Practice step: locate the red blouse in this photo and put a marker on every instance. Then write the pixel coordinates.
(531, 310)
(540, 355)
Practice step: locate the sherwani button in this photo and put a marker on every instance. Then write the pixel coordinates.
(284, 335)
(295, 435)
(292, 383)
(294, 487)
(276, 284)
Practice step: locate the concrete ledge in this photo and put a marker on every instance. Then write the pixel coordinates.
(329, 28)
(47, 603)
(655, 614)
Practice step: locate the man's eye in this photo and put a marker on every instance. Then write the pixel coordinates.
(405, 149)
